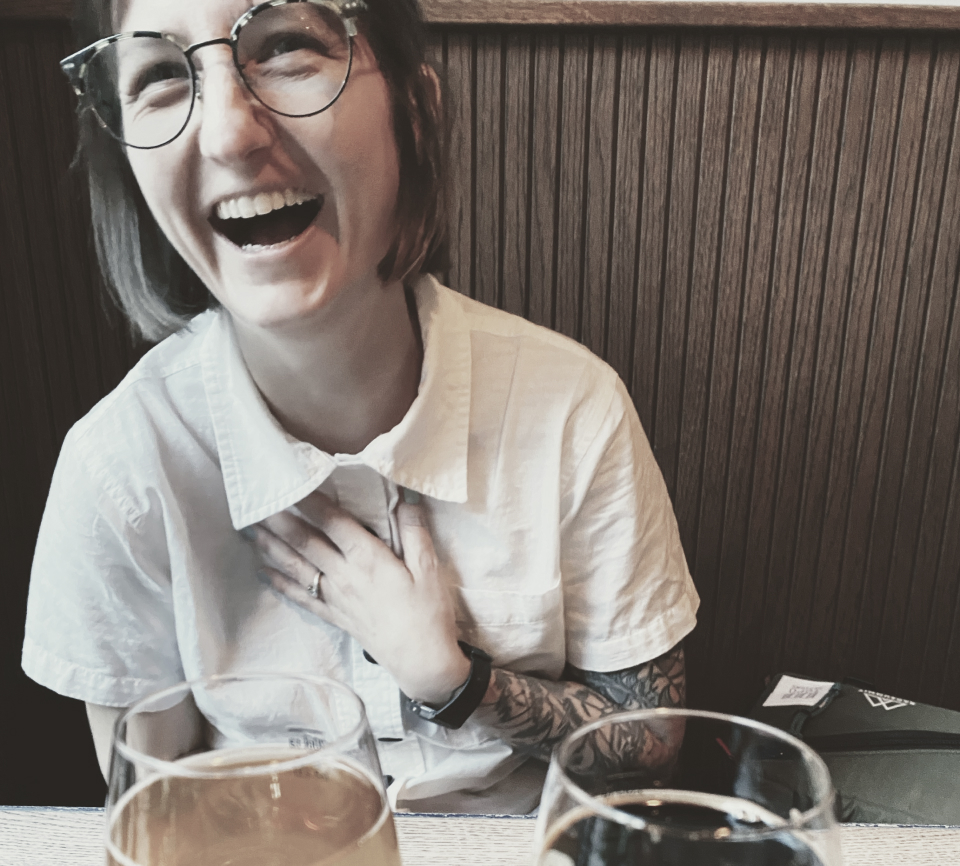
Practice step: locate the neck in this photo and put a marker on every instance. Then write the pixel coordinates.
(341, 379)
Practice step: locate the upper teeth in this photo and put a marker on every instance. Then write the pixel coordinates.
(246, 206)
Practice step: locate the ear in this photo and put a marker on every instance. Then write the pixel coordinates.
(434, 91)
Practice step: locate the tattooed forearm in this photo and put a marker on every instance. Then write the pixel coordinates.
(658, 683)
(536, 714)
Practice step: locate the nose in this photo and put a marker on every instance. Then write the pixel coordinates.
(233, 124)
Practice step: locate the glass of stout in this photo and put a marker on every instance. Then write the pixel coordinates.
(265, 769)
(675, 787)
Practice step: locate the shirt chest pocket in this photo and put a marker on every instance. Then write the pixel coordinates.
(522, 631)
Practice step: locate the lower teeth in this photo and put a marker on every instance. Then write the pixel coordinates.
(256, 248)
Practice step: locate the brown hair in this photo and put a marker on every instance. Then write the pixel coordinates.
(147, 277)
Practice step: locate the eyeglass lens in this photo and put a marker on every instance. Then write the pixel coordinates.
(294, 58)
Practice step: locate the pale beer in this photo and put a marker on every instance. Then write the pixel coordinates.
(312, 815)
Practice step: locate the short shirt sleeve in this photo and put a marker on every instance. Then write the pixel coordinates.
(628, 594)
(100, 620)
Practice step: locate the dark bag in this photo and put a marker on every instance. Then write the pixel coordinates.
(892, 761)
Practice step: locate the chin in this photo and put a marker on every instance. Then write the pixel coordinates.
(276, 307)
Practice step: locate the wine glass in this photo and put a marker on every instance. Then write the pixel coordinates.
(675, 787)
(265, 769)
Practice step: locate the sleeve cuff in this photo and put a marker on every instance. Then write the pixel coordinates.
(643, 644)
(91, 686)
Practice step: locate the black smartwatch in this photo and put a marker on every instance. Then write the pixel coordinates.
(465, 699)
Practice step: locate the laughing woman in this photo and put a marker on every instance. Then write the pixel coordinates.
(332, 458)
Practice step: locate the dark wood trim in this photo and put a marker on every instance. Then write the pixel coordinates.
(718, 13)
(34, 10)
(711, 13)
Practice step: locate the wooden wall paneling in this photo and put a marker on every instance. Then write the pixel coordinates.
(23, 191)
(743, 599)
(836, 590)
(544, 202)
(942, 430)
(949, 547)
(805, 428)
(881, 428)
(709, 550)
(518, 99)
(798, 186)
(75, 293)
(914, 394)
(459, 73)
(897, 377)
(808, 410)
(692, 471)
(574, 105)
(628, 172)
(680, 222)
(654, 201)
(50, 376)
(599, 184)
(18, 453)
(44, 212)
(855, 455)
(488, 177)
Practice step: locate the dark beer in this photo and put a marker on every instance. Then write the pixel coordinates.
(683, 828)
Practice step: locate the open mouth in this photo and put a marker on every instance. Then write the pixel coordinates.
(266, 219)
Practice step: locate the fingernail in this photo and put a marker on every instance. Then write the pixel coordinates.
(411, 497)
(248, 533)
(263, 577)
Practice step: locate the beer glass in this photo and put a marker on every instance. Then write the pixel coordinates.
(265, 769)
(675, 787)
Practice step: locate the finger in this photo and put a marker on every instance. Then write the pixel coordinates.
(289, 587)
(286, 537)
(418, 552)
(342, 529)
(278, 553)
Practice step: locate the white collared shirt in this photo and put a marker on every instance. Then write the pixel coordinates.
(547, 509)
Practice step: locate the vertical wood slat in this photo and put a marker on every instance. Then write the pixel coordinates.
(599, 184)
(486, 199)
(704, 294)
(757, 230)
(574, 119)
(459, 74)
(628, 174)
(545, 109)
(515, 203)
(841, 316)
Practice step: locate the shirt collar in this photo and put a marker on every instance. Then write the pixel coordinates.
(266, 470)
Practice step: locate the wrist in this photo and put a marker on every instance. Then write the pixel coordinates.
(460, 705)
(443, 682)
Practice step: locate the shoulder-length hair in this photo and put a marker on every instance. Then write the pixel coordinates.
(144, 273)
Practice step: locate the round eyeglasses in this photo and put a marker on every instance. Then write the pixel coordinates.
(294, 56)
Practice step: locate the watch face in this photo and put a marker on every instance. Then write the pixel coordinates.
(423, 712)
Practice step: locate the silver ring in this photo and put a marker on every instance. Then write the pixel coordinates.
(314, 588)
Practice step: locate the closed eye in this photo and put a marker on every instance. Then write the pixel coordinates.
(158, 74)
